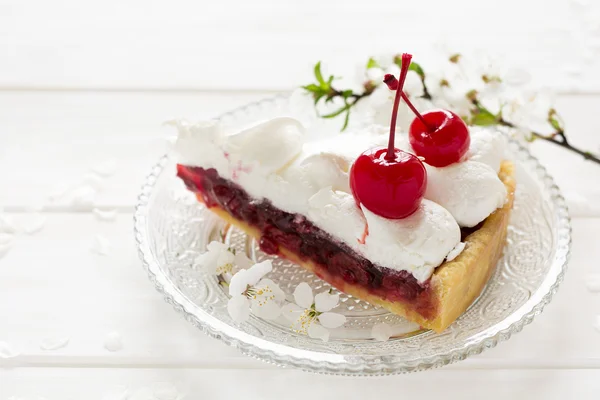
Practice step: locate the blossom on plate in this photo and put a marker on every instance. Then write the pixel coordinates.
(381, 332)
(311, 315)
(219, 258)
(250, 291)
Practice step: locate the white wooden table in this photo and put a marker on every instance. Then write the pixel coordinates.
(80, 85)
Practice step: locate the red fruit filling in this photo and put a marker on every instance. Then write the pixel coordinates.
(335, 260)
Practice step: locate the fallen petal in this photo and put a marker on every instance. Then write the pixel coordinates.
(316, 331)
(7, 224)
(106, 168)
(325, 301)
(238, 308)
(593, 283)
(381, 332)
(101, 245)
(54, 343)
(83, 197)
(4, 249)
(105, 215)
(332, 320)
(113, 341)
(6, 351)
(303, 295)
(33, 224)
(597, 323)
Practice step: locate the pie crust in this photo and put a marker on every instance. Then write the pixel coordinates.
(453, 286)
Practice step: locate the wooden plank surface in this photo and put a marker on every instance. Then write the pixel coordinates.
(54, 280)
(52, 139)
(194, 384)
(53, 286)
(269, 44)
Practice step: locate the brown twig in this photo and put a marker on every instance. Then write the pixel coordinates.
(558, 138)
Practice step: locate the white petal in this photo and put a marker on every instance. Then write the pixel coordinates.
(32, 224)
(316, 331)
(242, 261)
(208, 260)
(224, 258)
(257, 271)
(106, 168)
(4, 249)
(105, 215)
(7, 224)
(6, 351)
(113, 341)
(303, 295)
(239, 283)
(325, 301)
(275, 289)
(292, 311)
(593, 283)
(54, 343)
(266, 310)
(216, 246)
(381, 332)
(596, 324)
(238, 308)
(101, 245)
(83, 197)
(332, 320)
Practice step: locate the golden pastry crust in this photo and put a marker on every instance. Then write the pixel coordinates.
(454, 284)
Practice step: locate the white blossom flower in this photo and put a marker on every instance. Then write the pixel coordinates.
(311, 315)
(220, 259)
(250, 291)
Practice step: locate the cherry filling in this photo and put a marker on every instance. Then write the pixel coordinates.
(336, 262)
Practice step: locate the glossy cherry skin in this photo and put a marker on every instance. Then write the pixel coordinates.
(443, 142)
(389, 188)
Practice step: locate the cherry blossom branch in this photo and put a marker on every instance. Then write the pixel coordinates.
(323, 89)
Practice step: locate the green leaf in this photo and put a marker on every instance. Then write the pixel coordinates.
(553, 120)
(336, 113)
(482, 117)
(319, 75)
(417, 68)
(372, 63)
(347, 93)
(312, 88)
(318, 97)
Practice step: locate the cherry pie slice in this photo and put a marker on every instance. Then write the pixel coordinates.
(291, 193)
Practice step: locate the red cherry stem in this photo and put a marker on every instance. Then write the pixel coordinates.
(392, 83)
(390, 155)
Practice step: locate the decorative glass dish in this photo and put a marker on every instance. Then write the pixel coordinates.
(172, 229)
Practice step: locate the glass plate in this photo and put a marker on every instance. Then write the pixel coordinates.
(172, 229)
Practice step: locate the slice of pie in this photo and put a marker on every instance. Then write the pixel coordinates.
(292, 194)
(416, 226)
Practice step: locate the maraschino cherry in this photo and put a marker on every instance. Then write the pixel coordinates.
(388, 181)
(439, 136)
